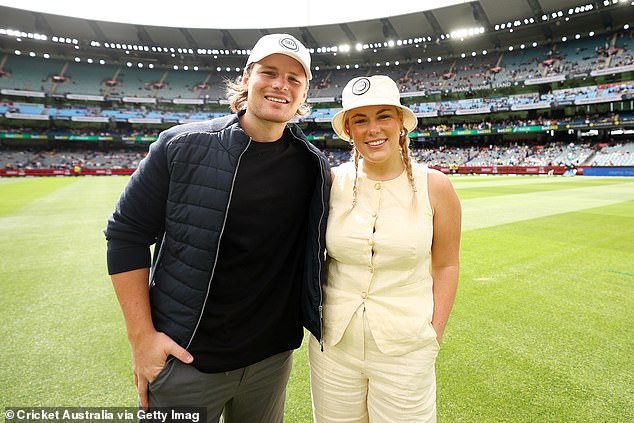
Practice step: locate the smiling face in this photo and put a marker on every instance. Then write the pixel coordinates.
(277, 86)
(375, 131)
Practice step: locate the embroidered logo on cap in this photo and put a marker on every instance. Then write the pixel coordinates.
(361, 86)
(289, 44)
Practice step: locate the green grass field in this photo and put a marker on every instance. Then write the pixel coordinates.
(542, 328)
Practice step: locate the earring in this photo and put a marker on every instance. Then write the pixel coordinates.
(403, 132)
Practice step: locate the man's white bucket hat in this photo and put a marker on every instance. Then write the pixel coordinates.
(371, 91)
(281, 44)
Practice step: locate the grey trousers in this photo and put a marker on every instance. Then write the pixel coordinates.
(252, 394)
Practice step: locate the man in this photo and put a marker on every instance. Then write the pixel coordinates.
(237, 208)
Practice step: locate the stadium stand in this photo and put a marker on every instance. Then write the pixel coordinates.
(90, 79)
(617, 155)
(563, 101)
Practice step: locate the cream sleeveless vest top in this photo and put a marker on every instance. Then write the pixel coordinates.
(379, 258)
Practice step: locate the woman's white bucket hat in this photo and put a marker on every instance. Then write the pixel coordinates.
(371, 91)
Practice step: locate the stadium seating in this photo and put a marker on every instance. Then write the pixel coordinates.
(431, 88)
(553, 154)
(573, 57)
(617, 155)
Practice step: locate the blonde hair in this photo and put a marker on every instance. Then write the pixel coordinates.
(238, 94)
(405, 156)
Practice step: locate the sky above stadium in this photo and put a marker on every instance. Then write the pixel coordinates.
(229, 14)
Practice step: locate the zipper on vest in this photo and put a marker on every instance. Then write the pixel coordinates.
(159, 255)
(321, 319)
(319, 246)
(319, 250)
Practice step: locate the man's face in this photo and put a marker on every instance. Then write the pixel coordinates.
(277, 86)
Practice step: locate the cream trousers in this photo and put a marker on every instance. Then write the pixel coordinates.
(354, 382)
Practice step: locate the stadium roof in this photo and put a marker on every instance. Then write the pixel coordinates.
(252, 14)
(465, 28)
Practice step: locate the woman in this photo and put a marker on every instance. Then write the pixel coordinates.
(393, 256)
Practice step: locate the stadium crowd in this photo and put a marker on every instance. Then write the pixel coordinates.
(552, 154)
(122, 144)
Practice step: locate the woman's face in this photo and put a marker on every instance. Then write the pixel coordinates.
(375, 131)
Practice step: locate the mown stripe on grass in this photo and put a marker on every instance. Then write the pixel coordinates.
(545, 339)
(17, 193)
(498, 210)
(493, 187)
(477, 181)
(62, 326)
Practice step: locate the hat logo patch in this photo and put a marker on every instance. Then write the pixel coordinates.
(361, 86)
(289, 44)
